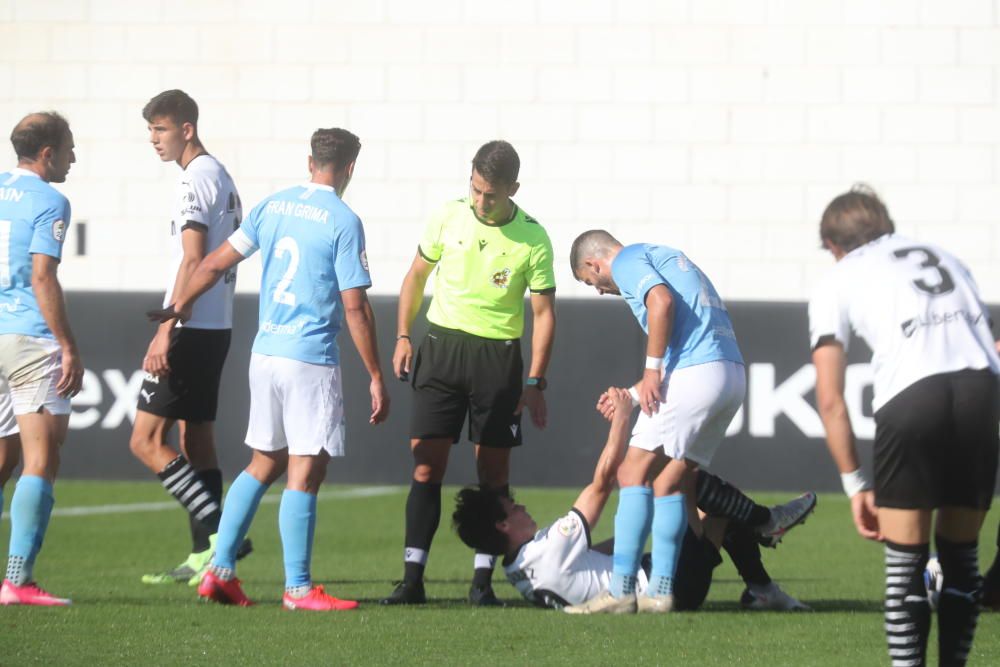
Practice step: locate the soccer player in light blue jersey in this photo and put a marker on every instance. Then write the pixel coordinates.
(693, 384)
(315, 274)
(40, 366)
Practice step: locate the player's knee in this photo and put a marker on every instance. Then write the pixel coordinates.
(142, 446)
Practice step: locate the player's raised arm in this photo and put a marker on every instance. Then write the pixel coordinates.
(595, 496)
(361, 323)
(208, 272)
(411, 295)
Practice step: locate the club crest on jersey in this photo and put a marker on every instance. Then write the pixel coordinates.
(568, 527)
(59, 230)
(364, 259)
(501, 279)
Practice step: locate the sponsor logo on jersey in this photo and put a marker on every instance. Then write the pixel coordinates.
(644, 280)
(59, 230)
(910, 326)
(501, 279)
(11, 307)
(482, 244)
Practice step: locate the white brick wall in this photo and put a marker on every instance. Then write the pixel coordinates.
(720, 126)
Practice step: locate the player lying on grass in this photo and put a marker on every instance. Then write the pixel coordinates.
(557, 566)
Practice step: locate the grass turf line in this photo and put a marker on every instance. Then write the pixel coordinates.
(98, 560)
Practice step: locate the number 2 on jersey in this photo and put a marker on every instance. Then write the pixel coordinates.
(286, 245)
(931, 262)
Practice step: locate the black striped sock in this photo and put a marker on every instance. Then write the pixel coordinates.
(201, 530)
(717, 497)
(907, 611)
(958, 608)
(184, 484)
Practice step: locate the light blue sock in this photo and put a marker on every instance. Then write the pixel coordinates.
(237, 514)
(632, 524)
(669, 526)
(30, 509)
(297, 523)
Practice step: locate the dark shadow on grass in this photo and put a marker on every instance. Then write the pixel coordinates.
(819, 606)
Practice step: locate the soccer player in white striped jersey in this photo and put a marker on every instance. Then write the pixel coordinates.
(184, 361)
(936, 405)
(40, 366)
(315, 275)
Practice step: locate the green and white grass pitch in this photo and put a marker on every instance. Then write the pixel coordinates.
(115, 620)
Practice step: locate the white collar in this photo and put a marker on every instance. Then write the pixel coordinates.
(318, 186)
(20, 171)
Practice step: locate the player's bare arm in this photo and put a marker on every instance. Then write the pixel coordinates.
(208, 272)
(411, 295)
(49, 294)
(193, 240)
(595, 496)
(361, 323)
(543, 332)
(660, 304)
(830, 361)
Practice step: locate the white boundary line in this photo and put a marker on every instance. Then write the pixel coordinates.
(270, 499)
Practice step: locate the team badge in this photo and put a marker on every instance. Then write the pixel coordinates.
(568, 526)
(59, 230)
(364, 259)
(501, 279)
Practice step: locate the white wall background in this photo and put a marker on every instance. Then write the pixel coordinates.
(721, 127)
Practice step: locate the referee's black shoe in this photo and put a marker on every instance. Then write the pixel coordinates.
(483, 596)
(406, 592)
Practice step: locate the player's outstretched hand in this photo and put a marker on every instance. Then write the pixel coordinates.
(533, 398)
(649, 391)
(865, 515)
(380, 402)
(401, 359)
(606, 406)
(72, 374)
(621, 403)
(155, 361)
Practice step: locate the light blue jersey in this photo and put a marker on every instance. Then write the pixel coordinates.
(313, 249)
(34, 217)
(702, 331)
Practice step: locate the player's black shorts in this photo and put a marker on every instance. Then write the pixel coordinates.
(936, 443)
(191, 390)
(457, 374)
(697, 561)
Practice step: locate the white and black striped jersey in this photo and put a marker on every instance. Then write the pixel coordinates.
(206, 197)
(558, 567)
(915, 305)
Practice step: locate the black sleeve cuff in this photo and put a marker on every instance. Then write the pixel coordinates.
(196, 226)
(547, 290)
(586, 526)
(425, 257)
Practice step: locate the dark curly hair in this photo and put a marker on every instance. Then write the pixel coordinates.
(478, 510)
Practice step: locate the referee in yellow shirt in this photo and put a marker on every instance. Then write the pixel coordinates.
(487, 252)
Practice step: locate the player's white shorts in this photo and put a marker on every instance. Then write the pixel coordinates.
(698, 404)
(30, 370)
(295, 405)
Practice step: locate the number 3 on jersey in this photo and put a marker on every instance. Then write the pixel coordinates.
(931, 263)
(286, 245)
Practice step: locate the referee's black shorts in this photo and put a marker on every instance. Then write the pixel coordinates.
(936, 443)
(191, 390)
(457, 374)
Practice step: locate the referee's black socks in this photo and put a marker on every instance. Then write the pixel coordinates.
(958, 607)
(423, 514)
(194, 495)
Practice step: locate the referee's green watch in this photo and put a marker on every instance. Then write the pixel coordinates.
(538, 383)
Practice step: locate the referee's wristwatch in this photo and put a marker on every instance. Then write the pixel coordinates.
(538, 383)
